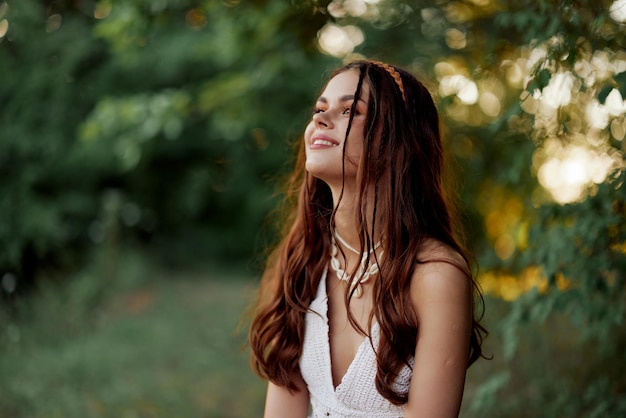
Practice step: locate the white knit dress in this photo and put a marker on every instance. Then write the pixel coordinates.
(356, 395)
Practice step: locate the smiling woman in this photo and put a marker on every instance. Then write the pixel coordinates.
(327, 130)
(366, 308)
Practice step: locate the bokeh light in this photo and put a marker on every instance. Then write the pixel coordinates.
(196, 19)
(54, 22)
(489, 104)
(572, 122)
(565, 109)
(4, 23)
(364, 9)
(456, 39)
(505, 223)
(102, 10)
(461, 86)
(617, 11)
(558, 92)
(570, 169)
(4, 27)
(339, 41)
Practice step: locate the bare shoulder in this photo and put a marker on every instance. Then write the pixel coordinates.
(441, 276)
(435, 251)
(441, 295)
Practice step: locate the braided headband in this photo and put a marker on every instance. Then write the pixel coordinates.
(393, 73)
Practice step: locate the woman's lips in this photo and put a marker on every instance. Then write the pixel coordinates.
(322, 141)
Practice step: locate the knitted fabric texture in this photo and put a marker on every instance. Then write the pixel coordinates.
(356, 396)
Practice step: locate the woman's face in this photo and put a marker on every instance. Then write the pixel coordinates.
(325, 134)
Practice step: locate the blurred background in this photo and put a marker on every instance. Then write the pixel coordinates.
(143, 143)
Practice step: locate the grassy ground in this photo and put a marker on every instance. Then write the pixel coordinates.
(163, 347)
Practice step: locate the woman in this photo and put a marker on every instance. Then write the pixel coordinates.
(366, 307)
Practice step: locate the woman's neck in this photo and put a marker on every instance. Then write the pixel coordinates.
(347, 213)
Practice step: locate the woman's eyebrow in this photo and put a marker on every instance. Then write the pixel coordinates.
(344, 98)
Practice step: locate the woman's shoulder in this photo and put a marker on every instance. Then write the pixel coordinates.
(434, 252)
(441, 274)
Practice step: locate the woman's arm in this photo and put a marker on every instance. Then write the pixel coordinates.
(442, 297)
(280, 403)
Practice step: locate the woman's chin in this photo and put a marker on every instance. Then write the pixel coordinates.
(318, 167)
(329, 171)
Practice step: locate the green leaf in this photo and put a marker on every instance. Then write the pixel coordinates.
(620, 79)
(604, 92)
(540, 80)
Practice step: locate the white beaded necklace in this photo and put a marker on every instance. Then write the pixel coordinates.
(363, 274)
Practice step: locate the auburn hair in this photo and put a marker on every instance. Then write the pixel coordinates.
(403, 158)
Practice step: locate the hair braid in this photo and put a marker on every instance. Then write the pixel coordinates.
(394, 74)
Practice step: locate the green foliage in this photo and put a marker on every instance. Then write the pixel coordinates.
(163, 105)
(580, 248)
(43, 99)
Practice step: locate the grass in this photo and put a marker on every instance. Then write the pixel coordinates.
(163, 347)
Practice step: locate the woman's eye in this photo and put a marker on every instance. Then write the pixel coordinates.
(317, 110)
(345, 111)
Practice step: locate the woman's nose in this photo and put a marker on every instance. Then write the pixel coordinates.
(322, 119)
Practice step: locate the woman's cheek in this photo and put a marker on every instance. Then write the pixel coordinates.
(308, 131)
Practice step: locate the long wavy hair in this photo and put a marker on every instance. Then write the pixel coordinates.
(404, 160)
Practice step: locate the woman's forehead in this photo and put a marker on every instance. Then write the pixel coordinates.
(343, 84)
